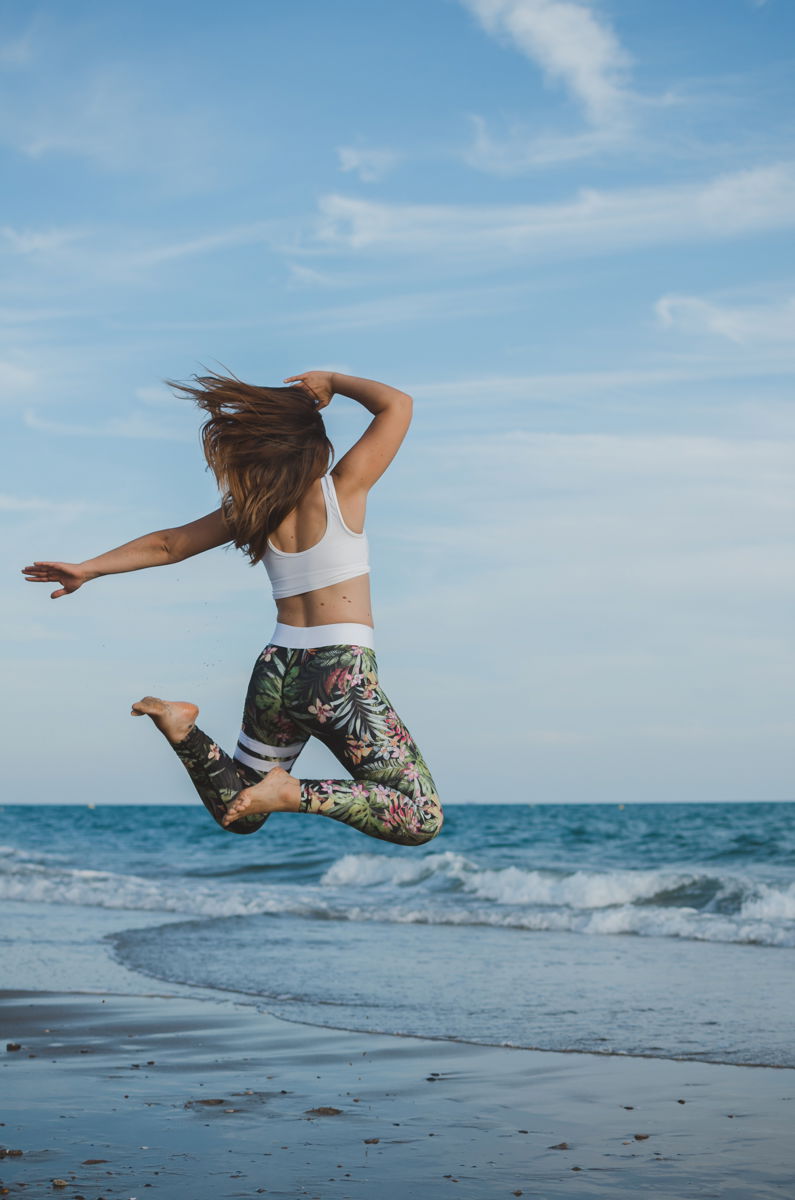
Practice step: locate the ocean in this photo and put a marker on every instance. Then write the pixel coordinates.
(663, 930)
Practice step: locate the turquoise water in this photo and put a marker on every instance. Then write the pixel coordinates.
(665, 930)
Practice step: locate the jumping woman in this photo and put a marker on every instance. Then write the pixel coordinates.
(284, 507)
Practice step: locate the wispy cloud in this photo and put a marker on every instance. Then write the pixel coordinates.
(683, 514)
(35, 504)
(728, 205)
(17, 51)
(571, 385)
(159, 398)
(241, 235)
(642, 557)
(14, 378)
(437, 304)
(136, 426)
(569, 42)
(33, 316)
(574, 47)
(518, 151)
(38, 241)
(745, 325)
(112, 114)
(58, 263)
(370, 165)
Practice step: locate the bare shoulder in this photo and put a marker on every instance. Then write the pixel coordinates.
(365, 462)
(352, 499)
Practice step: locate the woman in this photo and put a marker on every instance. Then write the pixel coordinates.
(318, 676)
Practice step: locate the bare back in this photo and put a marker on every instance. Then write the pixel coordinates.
(303, 528)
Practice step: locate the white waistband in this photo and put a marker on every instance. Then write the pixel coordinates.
(309, 637)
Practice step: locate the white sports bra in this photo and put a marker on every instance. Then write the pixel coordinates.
(339, 555)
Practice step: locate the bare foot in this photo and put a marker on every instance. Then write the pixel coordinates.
(277, 792)
(174, 718)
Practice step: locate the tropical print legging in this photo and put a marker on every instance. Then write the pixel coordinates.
(331, 693)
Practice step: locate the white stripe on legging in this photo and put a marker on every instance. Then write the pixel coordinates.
(260, 764)
(290, 751)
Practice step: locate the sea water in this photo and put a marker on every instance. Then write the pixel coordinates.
(654, 929)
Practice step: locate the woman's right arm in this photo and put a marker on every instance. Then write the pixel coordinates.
(152, 550)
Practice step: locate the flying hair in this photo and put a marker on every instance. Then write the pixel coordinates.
(265, 445)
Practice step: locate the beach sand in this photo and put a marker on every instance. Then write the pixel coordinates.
(191, 1099)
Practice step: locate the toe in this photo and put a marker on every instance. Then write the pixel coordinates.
(235, 809)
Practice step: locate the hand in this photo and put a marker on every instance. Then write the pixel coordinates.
(71, 576)
(319, 383)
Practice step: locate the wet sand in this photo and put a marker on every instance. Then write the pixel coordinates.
(126, 1096)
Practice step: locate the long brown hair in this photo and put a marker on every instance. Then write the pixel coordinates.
(265, 446)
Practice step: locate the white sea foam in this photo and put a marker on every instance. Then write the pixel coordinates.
(369, 870)
(440, 889)
(581, 889)
(508, 885)
(771, 904)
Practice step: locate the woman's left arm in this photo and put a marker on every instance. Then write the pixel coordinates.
(152, 550)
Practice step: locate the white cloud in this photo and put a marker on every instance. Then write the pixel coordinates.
(624, 585)
(14, 378)
(31, 316)
(308, 276)
(744, 325)
(16, 52)
(136, 425)
(113, 115)
(520, 151)
(569, 385)
(240, 235)
(575, 47)
(369, 165)
(569, 42)
(68, 262)
(439, 304)
(29, 241)
(762, 198)
(31, 504)
(159, 397)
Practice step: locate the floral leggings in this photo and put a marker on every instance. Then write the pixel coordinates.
(331, 693)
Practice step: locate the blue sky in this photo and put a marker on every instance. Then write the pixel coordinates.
(564, 227)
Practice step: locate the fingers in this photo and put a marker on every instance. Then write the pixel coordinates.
(49, 573)
(39, 567)
(39, 574)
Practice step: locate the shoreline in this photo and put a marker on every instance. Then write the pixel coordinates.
(207, 995)
(58, 949)
(168, 1089)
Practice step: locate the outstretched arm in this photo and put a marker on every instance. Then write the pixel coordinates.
(152, 550)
